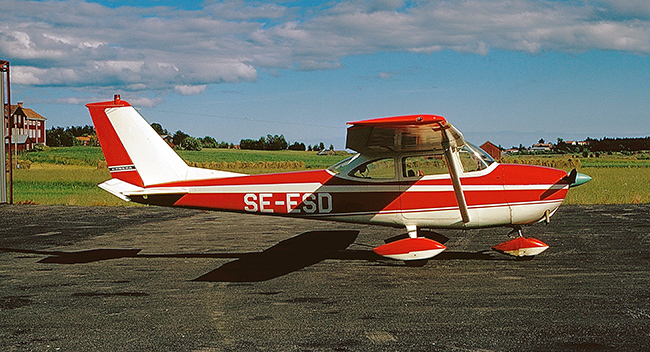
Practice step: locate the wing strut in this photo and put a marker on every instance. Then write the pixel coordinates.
(449, 144)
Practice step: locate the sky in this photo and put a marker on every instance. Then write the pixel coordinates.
(508, 71)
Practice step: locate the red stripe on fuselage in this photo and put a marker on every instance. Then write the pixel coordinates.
(298, 203)
(369, 197)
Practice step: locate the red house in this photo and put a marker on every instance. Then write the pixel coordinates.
(493, 150)
(28, 127)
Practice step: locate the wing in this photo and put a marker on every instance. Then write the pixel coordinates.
(402, 133)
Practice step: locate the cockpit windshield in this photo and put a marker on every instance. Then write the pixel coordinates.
(338, 167)
(474, 158)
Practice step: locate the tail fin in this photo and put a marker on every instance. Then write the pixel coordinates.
(134, 151)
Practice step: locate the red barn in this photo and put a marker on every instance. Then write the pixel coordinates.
(493, 150)
(28, 127)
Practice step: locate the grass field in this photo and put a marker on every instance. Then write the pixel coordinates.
(71, 175)
(91, 156)
(605, 161)
(84, 156)
(610, 185)
(62, 184)
(615, 162)
(311, 159)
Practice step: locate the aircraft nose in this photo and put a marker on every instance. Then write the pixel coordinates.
(580, 179)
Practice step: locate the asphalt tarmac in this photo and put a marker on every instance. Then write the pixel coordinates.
(149, 278)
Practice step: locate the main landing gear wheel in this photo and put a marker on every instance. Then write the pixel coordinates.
(521, 248)
(410, 249)
(414, 251)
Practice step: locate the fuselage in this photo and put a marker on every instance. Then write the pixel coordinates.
(500, 194)
(411, 171)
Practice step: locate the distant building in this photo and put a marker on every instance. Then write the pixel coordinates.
(168, 139)
(493, 150)
(27, 127)
(541, 147)
(88, 140)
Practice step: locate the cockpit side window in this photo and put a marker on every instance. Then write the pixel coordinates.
(422, 165)
(376, 169)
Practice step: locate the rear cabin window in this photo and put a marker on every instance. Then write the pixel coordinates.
(378, 169)
(422, 165)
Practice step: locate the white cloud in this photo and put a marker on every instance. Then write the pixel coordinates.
(143, 101)
(79, 44)
(237, 9)
(386, 75)
(26, 76)
(190, 90)
(313, 65)
(138, 101)
(630, 8)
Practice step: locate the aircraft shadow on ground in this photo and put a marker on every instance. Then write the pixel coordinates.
(287, 256)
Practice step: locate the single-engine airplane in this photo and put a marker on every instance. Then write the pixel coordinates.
(410, 172)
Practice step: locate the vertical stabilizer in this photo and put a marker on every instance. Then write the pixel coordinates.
(134, 151)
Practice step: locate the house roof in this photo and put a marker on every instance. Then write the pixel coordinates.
(29, 113)
(489, 144)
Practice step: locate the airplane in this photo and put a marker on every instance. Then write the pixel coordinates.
(412, 172)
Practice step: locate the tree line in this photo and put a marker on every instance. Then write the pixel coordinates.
(67, 137)
(619, 144)
(275, 142)
(623, 145)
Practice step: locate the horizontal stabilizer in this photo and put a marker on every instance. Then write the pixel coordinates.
(120, 188)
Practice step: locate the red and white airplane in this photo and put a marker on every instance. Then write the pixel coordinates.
(410, 172)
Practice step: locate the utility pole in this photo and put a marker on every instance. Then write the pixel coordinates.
(3, 165)
(6, 140)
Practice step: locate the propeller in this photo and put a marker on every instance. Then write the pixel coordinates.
(575, 178)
